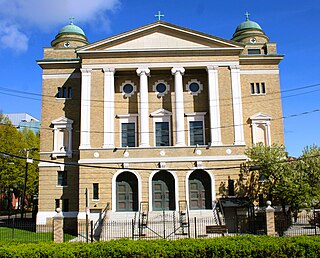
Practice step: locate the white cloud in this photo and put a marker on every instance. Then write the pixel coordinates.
(11, 37)
(48, 14)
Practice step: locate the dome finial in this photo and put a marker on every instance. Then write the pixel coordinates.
(247, 15)
(71, 20)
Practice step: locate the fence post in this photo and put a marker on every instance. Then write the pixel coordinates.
(270, 222)
(195, 227)
(58, 227)
(91, 230)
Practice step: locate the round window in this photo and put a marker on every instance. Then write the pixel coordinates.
(127, 88)
(161, 87)
(194, 87)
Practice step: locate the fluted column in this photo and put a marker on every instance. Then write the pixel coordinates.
(237, 105)
(108, 141)
(179, 105)
(144, 107)
(85, 108)
(214, 106)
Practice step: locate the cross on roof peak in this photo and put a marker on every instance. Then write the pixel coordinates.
(247, 16)
(159, 15)
(71, 20)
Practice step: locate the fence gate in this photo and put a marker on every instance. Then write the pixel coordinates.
(166, 224)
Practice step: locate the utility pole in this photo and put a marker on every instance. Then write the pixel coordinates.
(25, 180)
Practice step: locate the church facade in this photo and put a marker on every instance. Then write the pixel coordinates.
(159, 115)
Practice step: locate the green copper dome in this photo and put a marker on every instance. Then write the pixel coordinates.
(248, 25)
(71, 29)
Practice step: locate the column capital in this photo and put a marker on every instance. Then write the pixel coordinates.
(141, 71)
(108, 69)
(212, 67)
(234, 67)
(175, 70)
(86, 70)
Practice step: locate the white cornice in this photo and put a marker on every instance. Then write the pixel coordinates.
(162, 65)
(161, 50)
(61, 76)
(163, 159)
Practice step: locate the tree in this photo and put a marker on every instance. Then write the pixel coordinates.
(309, 164)
(12, 169)
(269, 171)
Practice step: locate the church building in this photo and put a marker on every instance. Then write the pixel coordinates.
(159, 115)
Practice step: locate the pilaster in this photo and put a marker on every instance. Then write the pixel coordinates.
(179, 105)
(108, 141)
(85, 108)
(144, 107)
(214, 106)
(237, 105)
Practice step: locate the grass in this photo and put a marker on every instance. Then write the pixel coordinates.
(7, 234)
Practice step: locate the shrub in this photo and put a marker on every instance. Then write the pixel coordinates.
(246, 246)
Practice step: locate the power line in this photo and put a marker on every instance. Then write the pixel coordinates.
(75, 164)
(121, 102)
(186, 130)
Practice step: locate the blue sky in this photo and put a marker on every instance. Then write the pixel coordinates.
(28, 26)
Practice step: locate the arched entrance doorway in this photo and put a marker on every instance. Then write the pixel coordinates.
(200, 196)
(163, 191)
(127, 192)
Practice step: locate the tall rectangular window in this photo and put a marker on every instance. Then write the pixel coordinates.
(69, 92)
(95, 191)
(263, 88)
(257, 88)
(196, 133)
(230, 187)
(162, 134)
(252, 88)
(62, 178)
(128, 137)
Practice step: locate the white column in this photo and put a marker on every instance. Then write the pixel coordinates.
(144, 107)
(237, 105)
(108, 108)
(254, 133)
(179, 105)
(56, 139)
(85, 108)
(214, 106)
(268, 134)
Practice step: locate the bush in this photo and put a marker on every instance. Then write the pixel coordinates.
(247, 246)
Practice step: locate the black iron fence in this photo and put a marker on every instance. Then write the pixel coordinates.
(166, 225)
(24, 230)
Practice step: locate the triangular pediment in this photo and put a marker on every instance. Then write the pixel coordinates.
(62, 120)
(160, 36)
(260, 116)
(161, 112)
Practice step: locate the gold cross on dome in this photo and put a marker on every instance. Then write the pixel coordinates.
(159, 15)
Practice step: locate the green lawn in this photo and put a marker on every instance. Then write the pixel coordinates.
(7, 234)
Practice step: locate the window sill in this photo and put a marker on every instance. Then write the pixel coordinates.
(61, 154)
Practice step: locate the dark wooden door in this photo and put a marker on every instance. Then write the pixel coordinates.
(200, 195)
(127, 192)
(163, 191)
(197, 195)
